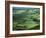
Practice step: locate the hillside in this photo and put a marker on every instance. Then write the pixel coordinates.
(26, 18)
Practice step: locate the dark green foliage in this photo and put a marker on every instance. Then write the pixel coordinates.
(26, 19)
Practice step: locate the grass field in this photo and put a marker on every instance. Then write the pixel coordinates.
(26, 18)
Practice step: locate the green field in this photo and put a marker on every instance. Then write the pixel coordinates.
(26, 18)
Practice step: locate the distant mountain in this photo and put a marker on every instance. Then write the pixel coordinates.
(19, 10)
